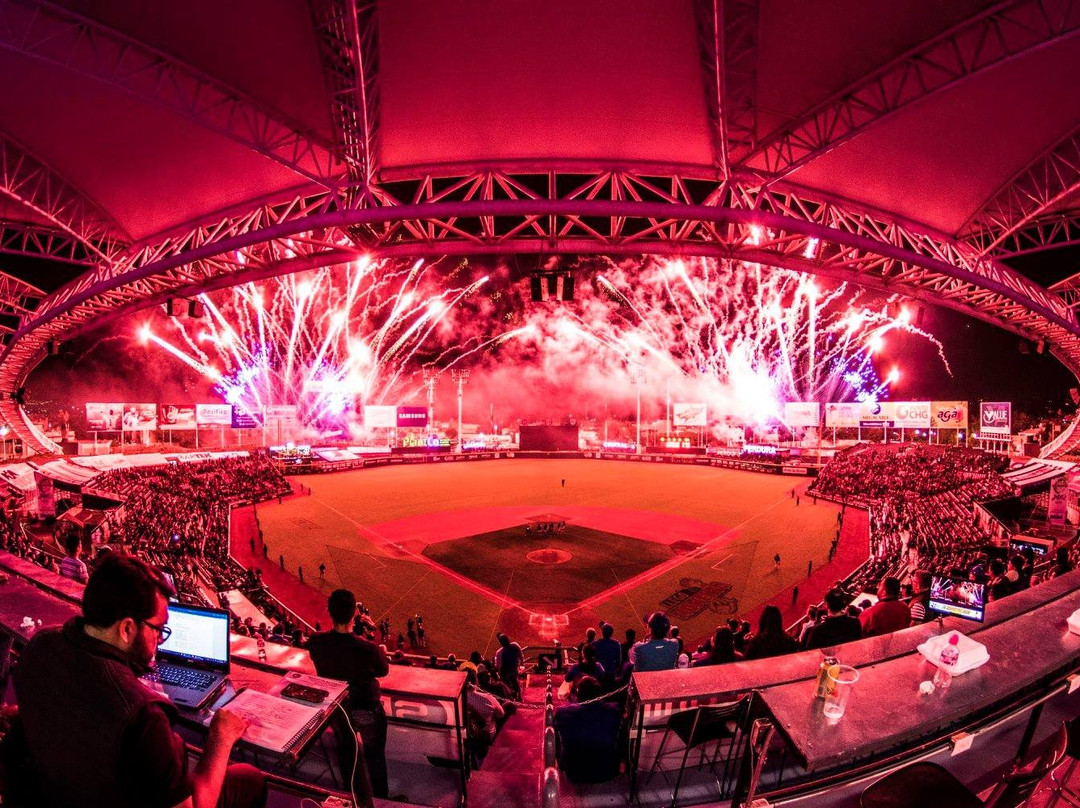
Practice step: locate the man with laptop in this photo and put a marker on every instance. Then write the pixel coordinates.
(91, 734)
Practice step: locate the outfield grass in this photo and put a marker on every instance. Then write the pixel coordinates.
(747, 517)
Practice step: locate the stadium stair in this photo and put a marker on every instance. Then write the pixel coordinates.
(509, 775)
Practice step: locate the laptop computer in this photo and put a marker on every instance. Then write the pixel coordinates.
(193, 663)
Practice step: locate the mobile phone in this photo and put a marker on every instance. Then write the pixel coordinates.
(312, 695)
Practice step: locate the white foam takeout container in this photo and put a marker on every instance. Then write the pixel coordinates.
(972, 654)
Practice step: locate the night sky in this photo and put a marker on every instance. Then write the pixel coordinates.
(987, 364)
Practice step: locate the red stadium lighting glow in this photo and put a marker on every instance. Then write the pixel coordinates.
(811, 248)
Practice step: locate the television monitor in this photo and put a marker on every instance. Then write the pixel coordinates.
(956, 597)
(1039, 546)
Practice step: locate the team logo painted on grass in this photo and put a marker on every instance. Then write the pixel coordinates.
(695, 596)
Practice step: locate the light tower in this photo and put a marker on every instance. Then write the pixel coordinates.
(812, 296)
(637, 377)
(460, 378)
(431, 376)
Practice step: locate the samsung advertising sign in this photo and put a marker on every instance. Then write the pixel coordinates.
(412, 416)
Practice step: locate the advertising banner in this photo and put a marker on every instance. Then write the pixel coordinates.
(949, 414)
(995, 418)
(802, 413)
(242, 419)
(910, 414)
(139, 416)
(282, 412)
(687, 414)
(377, 416)
(176, 416)
(103, 417)
(844, 414)
(1059, 500)
(213, 414)
(412, 416)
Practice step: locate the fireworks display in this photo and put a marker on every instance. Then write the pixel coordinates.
(738, 337)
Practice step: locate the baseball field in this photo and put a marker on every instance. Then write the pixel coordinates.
(543, 549)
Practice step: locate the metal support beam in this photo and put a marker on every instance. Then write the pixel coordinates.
(33, 241)
(1050, 178)
(615, 212)
(1050, 232)
(727, 40)
(30, 182)
(347, 33)
(50, 33)
(994, 36)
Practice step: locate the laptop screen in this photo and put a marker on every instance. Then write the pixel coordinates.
(198, 635)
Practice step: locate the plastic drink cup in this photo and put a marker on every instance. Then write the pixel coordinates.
(842, 679)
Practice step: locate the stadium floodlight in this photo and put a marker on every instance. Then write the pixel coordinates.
(460, 378)
(431, 376)
(637, 378)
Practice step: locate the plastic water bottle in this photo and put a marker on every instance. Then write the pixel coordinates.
(949, 655)
(261, 643)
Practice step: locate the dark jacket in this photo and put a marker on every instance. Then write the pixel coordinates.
(834, 631)
(78, 697)
(351, 659)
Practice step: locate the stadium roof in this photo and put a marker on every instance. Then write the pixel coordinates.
(156, 149)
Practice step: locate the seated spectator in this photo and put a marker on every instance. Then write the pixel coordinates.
(721, 650)
(630, 642)
(588, 735)
(659, 652)
(1062, 564)
(499, 690)
(838, 626)
(1000, 586)
(889, 613)
(920, 601)
(477, 660)
(813, 616)
(588, 666)
(91, 734)
(608, 653)
(1018, 574)
(485, 717)
(72, 566)
(771, 639)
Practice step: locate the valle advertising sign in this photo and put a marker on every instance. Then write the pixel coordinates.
(995, 418)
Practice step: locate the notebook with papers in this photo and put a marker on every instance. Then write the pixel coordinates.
(282, 719)
(193, 662)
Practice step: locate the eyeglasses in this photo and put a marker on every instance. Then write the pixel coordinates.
(163, 632)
